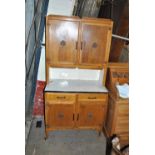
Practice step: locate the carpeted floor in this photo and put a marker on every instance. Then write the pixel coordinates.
(66, 142)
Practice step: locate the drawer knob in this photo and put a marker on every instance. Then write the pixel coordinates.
(94, 45)
(60, 115)
(91, 97)
(62, 43)
(61, 97)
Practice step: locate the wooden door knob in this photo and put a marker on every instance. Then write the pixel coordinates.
(90, 115)
(94, 45)
(62, 43)
(60, 115)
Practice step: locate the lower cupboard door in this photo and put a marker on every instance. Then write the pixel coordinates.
(59, 115)
(91, 115)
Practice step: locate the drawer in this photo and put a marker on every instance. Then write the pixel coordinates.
(92, 97)
(122, 127)
(122, 120)
(123, 110)
(60, 97)
(124, 138)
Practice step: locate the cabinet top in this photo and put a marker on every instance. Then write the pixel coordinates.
(58, 17)
(108, 22)
(58, 85)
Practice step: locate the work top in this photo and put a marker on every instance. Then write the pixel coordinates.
(90, 86)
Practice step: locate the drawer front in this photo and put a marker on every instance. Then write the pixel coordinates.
(122, 123)
(59, 97)
(92, 97)
(124, 139)
(122, 126)
(123, 110)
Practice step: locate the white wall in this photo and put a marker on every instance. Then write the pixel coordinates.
(61, 7)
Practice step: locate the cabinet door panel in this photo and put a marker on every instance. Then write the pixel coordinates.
(58, 115)
(61, 40)
(94, 44)
(91, 114)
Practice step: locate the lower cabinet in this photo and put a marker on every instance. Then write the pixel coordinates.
(73, 111)
(59, 110)
(92, 110)
(90, 115)
(60, 115)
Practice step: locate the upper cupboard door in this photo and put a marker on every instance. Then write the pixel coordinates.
(61, 42)
(95, 42)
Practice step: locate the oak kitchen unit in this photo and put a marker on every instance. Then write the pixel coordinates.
(117, 121)
(81, 45)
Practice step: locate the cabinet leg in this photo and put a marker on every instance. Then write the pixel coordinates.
(99, 133)
(46, 134)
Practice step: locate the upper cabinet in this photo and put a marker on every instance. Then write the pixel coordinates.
(95, 42)
(61, 41)
(75, 42)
